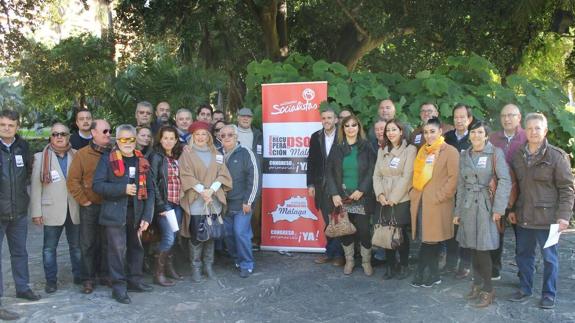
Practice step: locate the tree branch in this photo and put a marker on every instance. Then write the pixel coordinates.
(353, 20)
(253, 7)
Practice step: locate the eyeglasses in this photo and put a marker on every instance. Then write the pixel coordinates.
(145, 112)
(107, 131)
(350, 125)
(129, 140)
(60, 134)
(227, 135)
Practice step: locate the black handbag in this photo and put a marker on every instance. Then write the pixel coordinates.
(211, 225)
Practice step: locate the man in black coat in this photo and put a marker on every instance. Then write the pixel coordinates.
(321, 142)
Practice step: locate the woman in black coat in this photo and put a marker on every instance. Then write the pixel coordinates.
(350, 185)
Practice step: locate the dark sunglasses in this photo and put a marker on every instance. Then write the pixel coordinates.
(107, 131)
(60, 134)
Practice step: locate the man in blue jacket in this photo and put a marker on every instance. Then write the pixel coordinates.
(243, 167)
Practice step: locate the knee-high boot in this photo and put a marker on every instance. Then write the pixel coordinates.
(366, 261)
(209, 258)
(196, 260)
(349, 261)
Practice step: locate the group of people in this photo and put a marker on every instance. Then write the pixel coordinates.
(452, 188)
(449, 187)
(106, 189)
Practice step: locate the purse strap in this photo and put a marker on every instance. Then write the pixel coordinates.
(392, 219)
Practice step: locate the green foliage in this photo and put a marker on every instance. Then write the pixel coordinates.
(471, 80)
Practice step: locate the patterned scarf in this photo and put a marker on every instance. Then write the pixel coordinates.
(98, 148)
(45, 175)
(117, 163)
(423, 165)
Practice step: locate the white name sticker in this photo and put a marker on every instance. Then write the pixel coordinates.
(132, 172)
(259, 149)
(19, 160)
(430, 159)
(55, 176)
(394, 162)
(417, 139)
(219, 159)
(482, 162)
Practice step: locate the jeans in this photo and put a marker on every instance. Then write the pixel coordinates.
(238, 237)
(124, 251)
(51, 238)
(16, 232)
(168, 236)
(93, 243)
(527, 240)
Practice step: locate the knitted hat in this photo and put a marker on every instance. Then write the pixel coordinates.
(197, 125)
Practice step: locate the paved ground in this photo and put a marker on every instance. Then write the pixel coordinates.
(288, 289)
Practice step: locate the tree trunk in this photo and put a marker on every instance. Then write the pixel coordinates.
(268, 15)
(281, 23)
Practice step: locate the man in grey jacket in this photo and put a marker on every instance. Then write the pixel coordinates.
(243, 167)
(545, 197)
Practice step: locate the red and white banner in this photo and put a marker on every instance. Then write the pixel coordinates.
(290, 114)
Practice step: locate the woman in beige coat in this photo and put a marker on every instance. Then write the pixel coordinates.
(52, 206)
(392, 180)
(435, 174)
(204, 178)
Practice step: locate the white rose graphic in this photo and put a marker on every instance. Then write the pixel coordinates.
(308, 94)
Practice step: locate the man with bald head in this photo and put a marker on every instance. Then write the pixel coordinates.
(510, 139)
(163, 112)
(79, 183)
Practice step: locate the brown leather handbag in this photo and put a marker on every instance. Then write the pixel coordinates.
(339, 224)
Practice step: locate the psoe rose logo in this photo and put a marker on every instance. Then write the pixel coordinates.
(308, 94)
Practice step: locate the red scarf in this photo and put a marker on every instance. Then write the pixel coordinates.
(117, 163)
(45, 175)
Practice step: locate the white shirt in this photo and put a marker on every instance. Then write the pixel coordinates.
(328, 141)
(461, 137)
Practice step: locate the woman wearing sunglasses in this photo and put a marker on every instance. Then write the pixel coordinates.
(350, 185)
(205, 178)
(165, 174)
(122, 179)
(435, 172)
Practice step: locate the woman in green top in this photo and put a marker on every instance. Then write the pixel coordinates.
(349, 183)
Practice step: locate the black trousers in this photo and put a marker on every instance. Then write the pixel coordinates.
(403, 250)
(93, 244)
(429, 258)
(124, 251)
(361, 223)
(481, 261)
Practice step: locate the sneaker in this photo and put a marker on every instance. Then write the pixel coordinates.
(498, 277)
(432, 281)
(245, 273)
(417, 281)
(51, 287)
(495, 275)
(519, 297)
(547, 302)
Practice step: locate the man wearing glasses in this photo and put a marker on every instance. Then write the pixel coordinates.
(79, 183)
(15, 168)
(144, 112)
(52, 207)
(510, 139)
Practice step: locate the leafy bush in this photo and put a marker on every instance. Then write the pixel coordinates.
(467, 79)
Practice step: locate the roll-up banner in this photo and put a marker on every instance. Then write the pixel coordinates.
(290, 114)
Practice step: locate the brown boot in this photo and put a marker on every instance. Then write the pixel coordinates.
(159, 277)
(169, 268)
(485, 299)
(474, 293)
(366, 261)
(349, 261)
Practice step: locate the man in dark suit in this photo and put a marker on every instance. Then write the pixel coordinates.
(321, 142)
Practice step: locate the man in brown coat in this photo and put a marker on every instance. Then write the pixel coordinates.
(546, 197)
(79, 183)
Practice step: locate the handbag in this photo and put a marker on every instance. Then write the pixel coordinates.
(387, 236)
(339, 224)
(210, 226)
(152, 234)
(493, 189)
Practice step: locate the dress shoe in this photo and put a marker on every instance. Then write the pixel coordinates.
(106, 282)
(51, 287)
(338, 261)
(28, 295)
(88, 287)
(122, 298)
(519, 297)
(322, 259)
(485, 299)
(6, 315)
(139, 287)
(547, 303)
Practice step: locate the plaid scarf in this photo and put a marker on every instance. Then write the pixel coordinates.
(98, 148)
(45, 175)
(117, 164)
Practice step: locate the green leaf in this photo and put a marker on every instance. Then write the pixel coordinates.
(423, 74)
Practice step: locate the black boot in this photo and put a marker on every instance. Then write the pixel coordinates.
(388, 274)
(402, 272)
(196, 260)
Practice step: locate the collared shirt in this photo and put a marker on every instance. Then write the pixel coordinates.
(328, 141)
(63, 161)
(531, 157)
(174, 184)
(8, 145)
(459, 137)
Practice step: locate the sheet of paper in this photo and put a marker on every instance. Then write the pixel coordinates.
(554, 235)
(172, 220)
